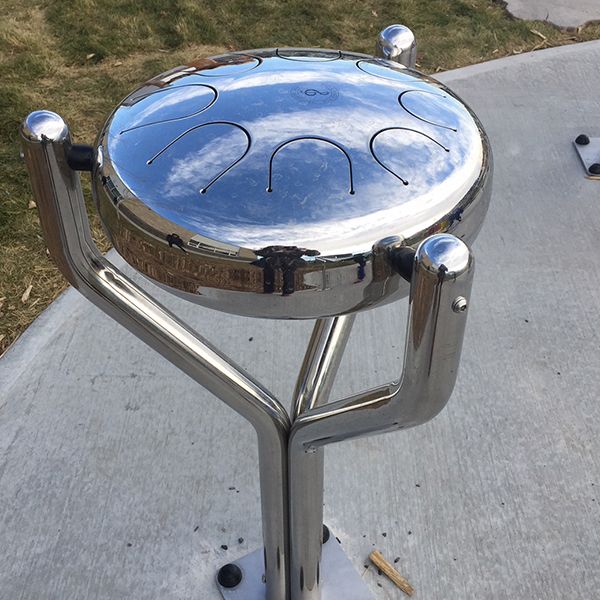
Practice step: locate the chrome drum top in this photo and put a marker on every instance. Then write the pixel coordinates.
(272, 183)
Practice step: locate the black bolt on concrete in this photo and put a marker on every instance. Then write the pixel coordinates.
(229, 575)
(325, 534)
(582, 140)
(595, 169)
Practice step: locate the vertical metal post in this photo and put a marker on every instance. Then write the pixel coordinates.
(317, 374)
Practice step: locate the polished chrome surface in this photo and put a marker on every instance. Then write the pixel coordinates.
(58, 195)
(44, 126)
(443, 271)
(260, 182)
(321, 362)
(397, 43)
(313, 386)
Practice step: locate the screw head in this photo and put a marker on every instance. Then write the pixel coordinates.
(326, 534)
(582, 140)
(460, 304)
(595, 169)
(229, 575)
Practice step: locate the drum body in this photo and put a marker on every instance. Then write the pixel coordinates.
(272, 183)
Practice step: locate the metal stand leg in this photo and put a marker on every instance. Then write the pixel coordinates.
(440, 287)
(321, 362)
(315, 380)
(64, 220)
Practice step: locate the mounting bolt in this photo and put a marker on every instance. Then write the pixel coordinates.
(594, 169)
(326, 533)
(460, 304)
(582, 140)
(229, 575)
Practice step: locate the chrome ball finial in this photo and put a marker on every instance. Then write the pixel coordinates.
(44, 126)
(397, 43)
(445, 253)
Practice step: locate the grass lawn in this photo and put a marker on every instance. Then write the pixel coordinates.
(80, 57)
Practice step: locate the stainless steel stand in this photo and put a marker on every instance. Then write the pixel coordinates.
(290, 453)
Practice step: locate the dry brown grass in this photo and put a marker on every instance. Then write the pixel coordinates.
(79, 59)
(84, 94)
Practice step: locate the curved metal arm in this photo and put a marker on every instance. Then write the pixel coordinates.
(57, 191)
(321, 362)
(440, 288)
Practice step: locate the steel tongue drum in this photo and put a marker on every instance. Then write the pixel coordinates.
(282, 183)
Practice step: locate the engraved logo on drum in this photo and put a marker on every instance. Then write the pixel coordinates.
(313, 92)
(318, 94)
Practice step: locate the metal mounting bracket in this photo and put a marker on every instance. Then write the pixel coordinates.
(339, 578)
(588, 150)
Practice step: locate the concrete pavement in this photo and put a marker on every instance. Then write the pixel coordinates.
(565, 13)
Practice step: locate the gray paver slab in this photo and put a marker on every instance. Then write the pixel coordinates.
(121, 479)
(565, 13)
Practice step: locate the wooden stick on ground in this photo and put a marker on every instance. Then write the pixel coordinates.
(379, 561)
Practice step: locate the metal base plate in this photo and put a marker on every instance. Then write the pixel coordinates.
(589, 155)
(339, 577)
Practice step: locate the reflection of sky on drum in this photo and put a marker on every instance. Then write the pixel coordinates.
(171, 103)
(427, 106)
(310, 204)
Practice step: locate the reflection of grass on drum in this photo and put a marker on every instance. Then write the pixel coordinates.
(173, 267)
(81, 59)
(161, 265)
